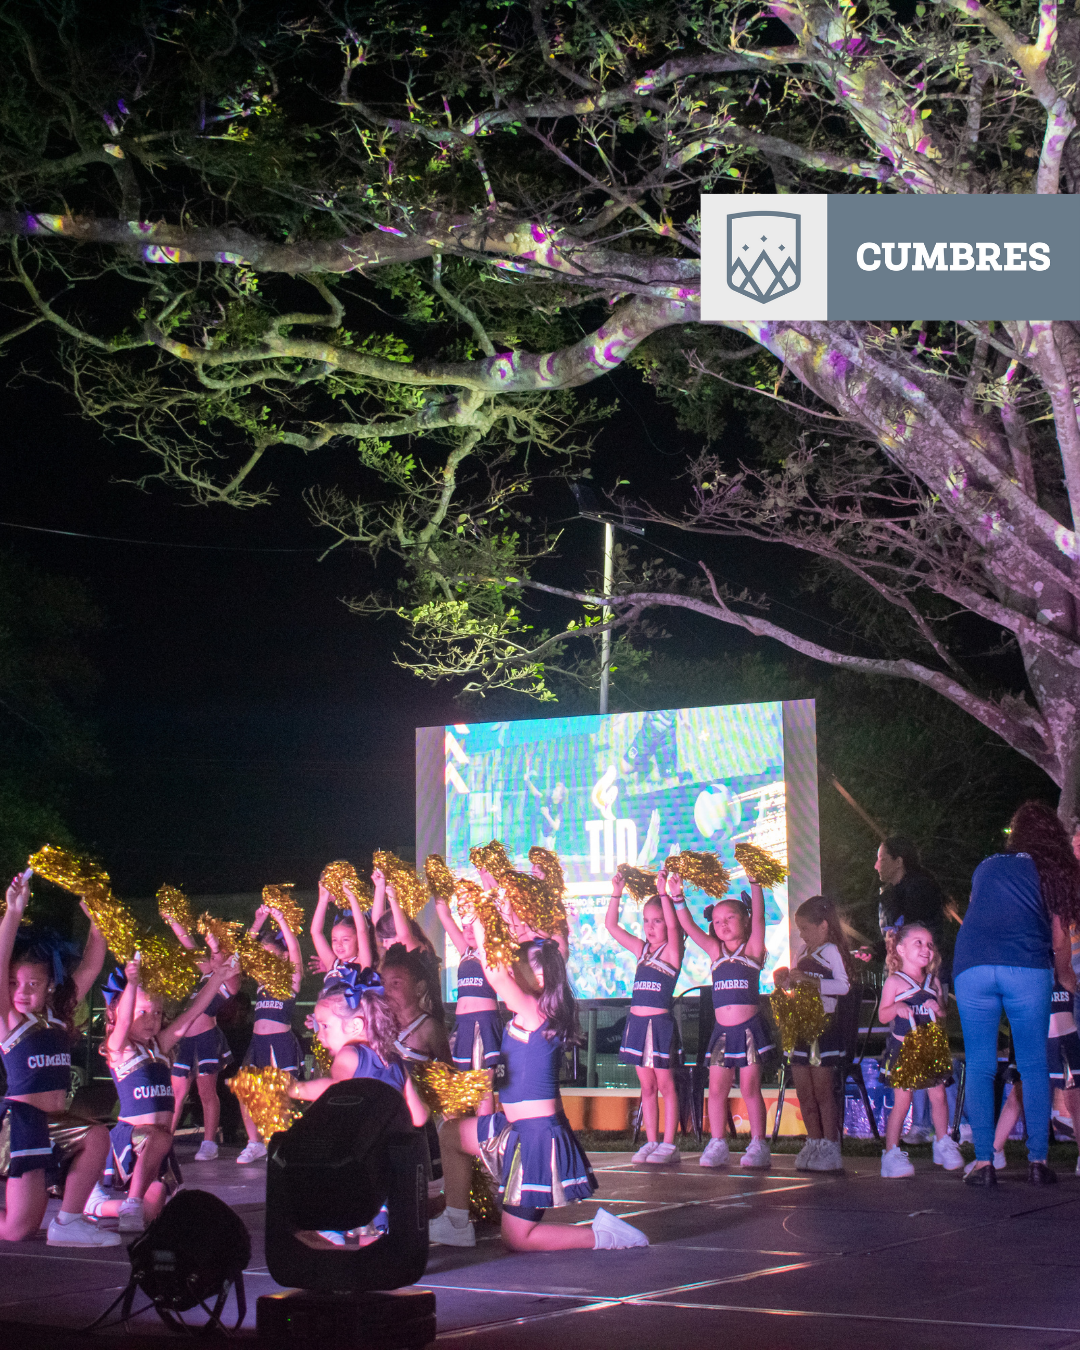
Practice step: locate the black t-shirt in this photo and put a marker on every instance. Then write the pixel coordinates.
(919, 899)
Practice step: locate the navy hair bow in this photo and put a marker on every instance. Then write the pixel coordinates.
(354, 982)
(895, 926)
(46, 947)
(114, 986)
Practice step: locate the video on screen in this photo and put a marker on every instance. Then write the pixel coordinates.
(623, 788)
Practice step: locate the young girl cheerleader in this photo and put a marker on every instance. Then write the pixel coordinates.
(912, 997)
(528, 1146)
(274, 1044)
(44, 1141)
(138, 1051)
(416, 1005)
(202, 1054)
(735, 944)
(354, 1022)
(350, 940)
(824, 963)
(477, 1039)
(650, 1041)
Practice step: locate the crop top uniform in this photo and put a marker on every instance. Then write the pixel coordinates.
(826, 967)
(369, 1064)
(537, 1163)
(406, 1051)
(1063, 1052)
(275, 1049)
(915, 997)
(476, 1041)
(37, 1058)
(651, 1041)
(143, 1080)
(736, 979)
(208, 1052)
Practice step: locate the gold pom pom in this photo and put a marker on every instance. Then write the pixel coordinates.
(265, 1095)
(501, 947)
(760, 866)
(640, 883)
(174, 907)
(550, 864)
(538, 904)
(482, 1206)
(703, 870)
(491, 858)
(273, 973)
(167, 969)
(337, 875)
(925, 1059)
(282, 899)
(448, 1092)
(800, 1014)
(439, 877)
(412, 890)
(467, 894)
(324, 1060)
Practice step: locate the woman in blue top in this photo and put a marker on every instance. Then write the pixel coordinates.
(1014, 937)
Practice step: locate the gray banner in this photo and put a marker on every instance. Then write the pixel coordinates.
(952, 257)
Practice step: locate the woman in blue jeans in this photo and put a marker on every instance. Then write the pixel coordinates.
(1014, 939)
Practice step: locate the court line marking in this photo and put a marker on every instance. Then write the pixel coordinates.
(857, 1317)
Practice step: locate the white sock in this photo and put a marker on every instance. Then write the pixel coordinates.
(64, 1217)
(458, 1217)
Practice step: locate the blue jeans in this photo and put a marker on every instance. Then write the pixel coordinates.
(1023, 994)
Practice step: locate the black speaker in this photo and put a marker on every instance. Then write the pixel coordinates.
(402, 1320)
(352, 1152)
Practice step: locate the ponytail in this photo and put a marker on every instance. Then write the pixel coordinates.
(820, 909)
(556, 1000)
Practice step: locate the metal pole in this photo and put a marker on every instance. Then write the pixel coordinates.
(605, 637)
(591, 1079)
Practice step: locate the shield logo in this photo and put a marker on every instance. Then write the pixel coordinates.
(764, 254)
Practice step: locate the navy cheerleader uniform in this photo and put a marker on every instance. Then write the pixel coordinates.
(370, 1064)
(477, 1039)
(144, 1085)
(208, 1052)
(826, 966)
(275, 1049)
(651, 1042)
(735, 979)
(538, 1163)
(1063, 1052)
(37, 1058)
(916, 997)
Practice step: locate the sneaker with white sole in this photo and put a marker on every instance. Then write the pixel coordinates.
(648, 1147)
(967, 1135)
(757, 1154)
(98, 1196)
(612, 1234)
(716, 1153)
(999, 1160)
(81, 1233)
(253, 1151)
(947, 1155)
(895, 1163)
(804, 1155)
(334, 1236)
(918, 1135)
(446, 1233)
(131, 1217)
(826, 1157)
(208, 1151)
(664, 1153)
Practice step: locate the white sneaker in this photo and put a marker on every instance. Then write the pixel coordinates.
(826, 1157)
(648, 1147)
(664, 1153)
(757, 1154)
(917, 1135)
(252, 1152)
(80, 1233)
(999, 1160)
(131, 1217)
(98, 1197)
(446, 1233)
(716, 1153)
(804, 1155)
(611, 1234)
(967, 1135)
(894, 1163)
(333, 1235)
(208, 1151)
(947, 1155)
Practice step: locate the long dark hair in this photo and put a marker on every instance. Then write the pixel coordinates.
(49, 951)
(820, 909)
(423, 970)
(1037, 831)
(556, 1000)
(905, 850)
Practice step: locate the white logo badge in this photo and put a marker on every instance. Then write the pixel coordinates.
(763, 254)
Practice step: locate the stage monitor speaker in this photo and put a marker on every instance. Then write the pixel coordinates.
(354, 1151)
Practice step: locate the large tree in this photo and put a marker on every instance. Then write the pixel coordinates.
(398, 248)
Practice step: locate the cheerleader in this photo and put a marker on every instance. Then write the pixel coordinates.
(43, 1141)
(203, 1054)
(1063, 1052)
(912, 997)
(735, 945)
(274, 1044)
(392, 925)
(350, 936)
(823, 963)
(650, 1042)
(354, 1022)
(413, 998)
(478, 1026)
(528, 1146)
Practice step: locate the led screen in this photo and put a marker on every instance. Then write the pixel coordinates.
(605, 790)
